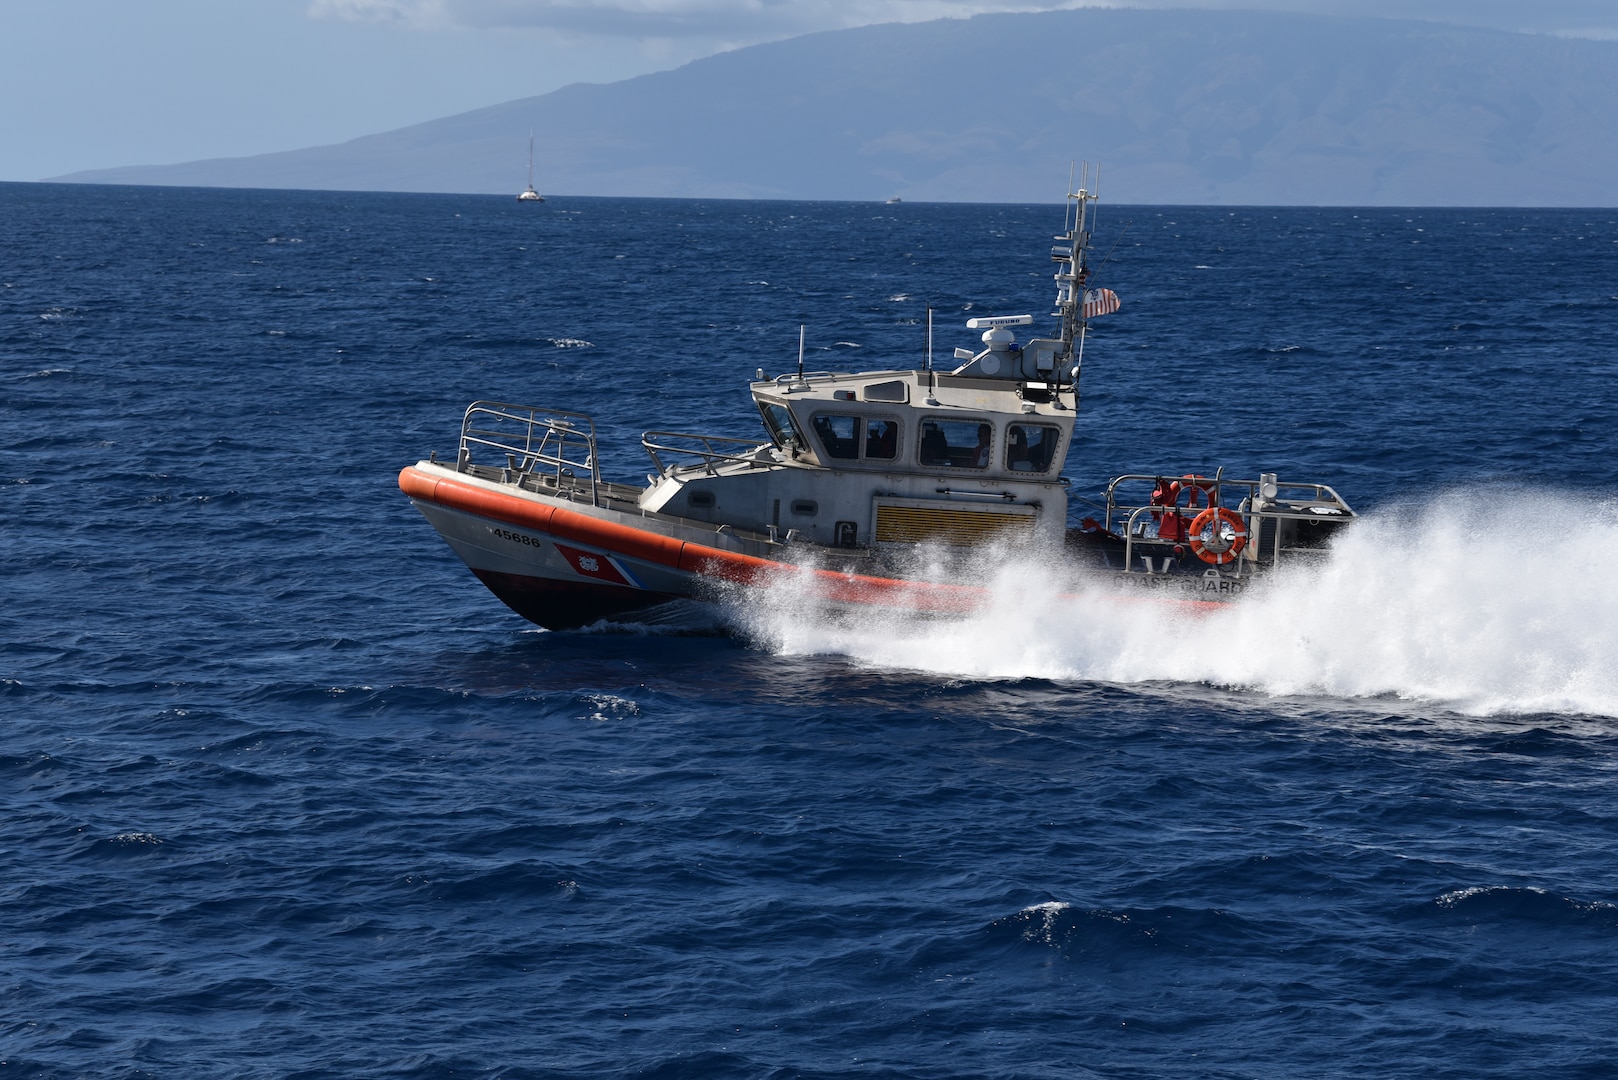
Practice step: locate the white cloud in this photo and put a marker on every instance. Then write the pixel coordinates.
(740, 21)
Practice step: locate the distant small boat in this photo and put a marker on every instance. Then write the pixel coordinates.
(530, 195)
(894, 200)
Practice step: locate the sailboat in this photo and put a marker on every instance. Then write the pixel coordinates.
(530, 195)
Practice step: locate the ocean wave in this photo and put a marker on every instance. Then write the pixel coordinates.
(1518, 904)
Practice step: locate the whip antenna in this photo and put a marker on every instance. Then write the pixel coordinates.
(1067, 203)
(929, 337)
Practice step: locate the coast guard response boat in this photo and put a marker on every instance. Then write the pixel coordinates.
(874, 489)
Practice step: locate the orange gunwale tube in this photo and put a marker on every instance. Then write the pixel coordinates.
(683, 555)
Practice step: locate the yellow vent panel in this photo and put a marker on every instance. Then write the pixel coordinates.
(915, 524)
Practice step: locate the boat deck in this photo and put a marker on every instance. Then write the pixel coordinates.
(625, 499)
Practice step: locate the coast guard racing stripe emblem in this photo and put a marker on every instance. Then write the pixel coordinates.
(600, 567)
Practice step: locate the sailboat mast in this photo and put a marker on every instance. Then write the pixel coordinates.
(530, 195)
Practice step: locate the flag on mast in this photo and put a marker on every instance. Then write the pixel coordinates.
(1100, 302)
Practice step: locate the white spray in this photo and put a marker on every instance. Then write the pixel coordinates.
(1506, 604)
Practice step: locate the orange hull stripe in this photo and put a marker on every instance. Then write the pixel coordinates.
(419, 485)
(682, 555)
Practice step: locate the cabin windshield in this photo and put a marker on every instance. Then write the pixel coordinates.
(778, 422)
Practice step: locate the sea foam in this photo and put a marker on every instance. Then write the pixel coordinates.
(1493, 604)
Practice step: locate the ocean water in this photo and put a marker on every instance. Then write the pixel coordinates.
(284, 792)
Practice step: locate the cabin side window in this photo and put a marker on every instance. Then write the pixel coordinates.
(778, 422)
(844, 437)
(1031, 447)
(956, 444)
(882, 439)
(839, 435)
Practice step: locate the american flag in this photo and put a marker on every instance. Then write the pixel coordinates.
(1100, 302)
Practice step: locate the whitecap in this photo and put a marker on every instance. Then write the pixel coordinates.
(611, 707)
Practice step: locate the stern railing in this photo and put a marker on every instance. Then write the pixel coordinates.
(1256, 501)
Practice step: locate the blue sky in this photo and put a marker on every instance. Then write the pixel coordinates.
(101, 83)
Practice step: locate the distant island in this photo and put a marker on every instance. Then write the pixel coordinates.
(1205, 107)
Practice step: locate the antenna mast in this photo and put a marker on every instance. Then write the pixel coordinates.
(1073, 272)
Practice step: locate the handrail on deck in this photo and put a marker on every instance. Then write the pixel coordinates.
(1253, 504)
(531, 437)
(706, 456)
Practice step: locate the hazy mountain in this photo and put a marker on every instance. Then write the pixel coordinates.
(1177, 106)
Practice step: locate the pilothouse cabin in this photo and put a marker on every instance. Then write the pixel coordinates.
(892, 457)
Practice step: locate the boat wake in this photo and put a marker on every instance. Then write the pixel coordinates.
(1499, 605)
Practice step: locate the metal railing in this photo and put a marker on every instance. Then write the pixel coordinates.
(792, 378)
(706, 451)
(534, 441)
(1266, 499)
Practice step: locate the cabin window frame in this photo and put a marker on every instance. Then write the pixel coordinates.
(895, 428)
(954, 450)
(829, 442)
(782, 427)
(861, 436)
(1050, 461)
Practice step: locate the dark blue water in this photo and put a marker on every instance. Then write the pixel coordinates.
(286, 793)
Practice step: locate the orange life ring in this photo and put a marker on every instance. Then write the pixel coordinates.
(1197, 489)
(1210, 523)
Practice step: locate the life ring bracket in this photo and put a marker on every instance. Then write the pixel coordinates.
(1217, 536)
